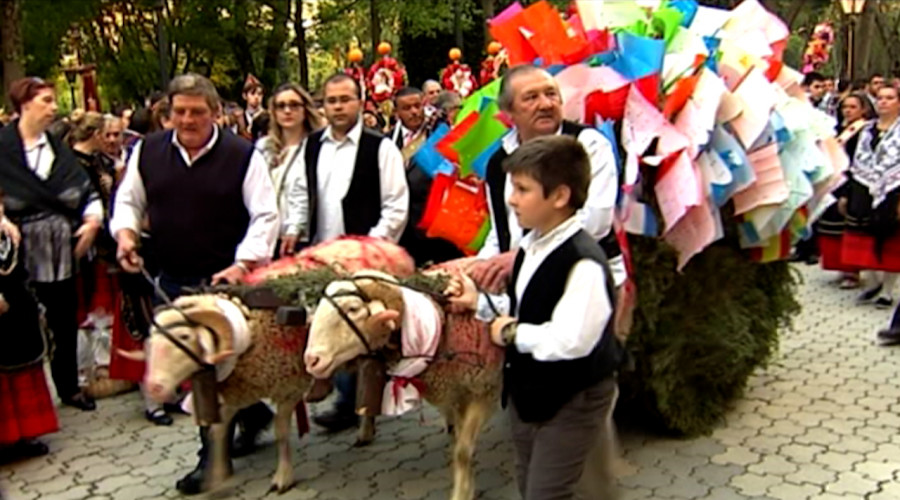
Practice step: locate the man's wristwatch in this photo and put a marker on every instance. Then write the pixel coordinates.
(508, 332)
(243, 267)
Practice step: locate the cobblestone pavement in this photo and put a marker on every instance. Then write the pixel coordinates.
(819, 423)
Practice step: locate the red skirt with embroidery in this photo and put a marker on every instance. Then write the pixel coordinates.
(26, 407)
(830, 249)
(858, 251)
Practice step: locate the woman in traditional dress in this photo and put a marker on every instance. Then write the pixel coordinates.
(50, 197)
(26, 407)
(871, 241)
(856, 111)
(294, 118)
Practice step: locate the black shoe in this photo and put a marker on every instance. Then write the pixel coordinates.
(869, 295)
(174, 408)
(884, 302)
(337, 421)
(192, 483)
(889, 337)
(253, 420)
(26, 448)
(195, 481)
(81, 401)
(158, 417)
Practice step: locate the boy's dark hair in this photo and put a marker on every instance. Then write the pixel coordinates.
(554, 161)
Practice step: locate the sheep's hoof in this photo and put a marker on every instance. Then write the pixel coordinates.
(282, 481)
(281, 489)
(361, 441)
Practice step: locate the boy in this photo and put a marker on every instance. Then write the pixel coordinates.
(561, 354)
(253, 93)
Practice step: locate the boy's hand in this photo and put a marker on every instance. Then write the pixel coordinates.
(461, 292)
(4, 305)
(497, 329)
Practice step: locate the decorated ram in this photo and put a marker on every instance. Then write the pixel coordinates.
(443, 357)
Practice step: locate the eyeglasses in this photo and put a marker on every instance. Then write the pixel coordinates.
(291, 105)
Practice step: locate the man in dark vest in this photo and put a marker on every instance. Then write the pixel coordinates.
(356, 186)
(531, 98)
(212, 215)
(410, 133)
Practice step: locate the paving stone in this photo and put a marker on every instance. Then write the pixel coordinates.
(73, 493)
(877, 471)
(785, 491)
(685, 487)
(737, 455)
(774, 465)
(754, 484)
(800, 453)
(140, 491)
(839, 461)
(812, 474)
(113, 483)
(854, 483)
(717, 475)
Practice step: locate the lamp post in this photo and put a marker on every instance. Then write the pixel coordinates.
(852, 9)
(71, 75)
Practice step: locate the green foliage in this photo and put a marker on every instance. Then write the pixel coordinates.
(305, 288)
(699, 335)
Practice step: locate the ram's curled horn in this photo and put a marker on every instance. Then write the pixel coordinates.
(205, 310)
(132, 355)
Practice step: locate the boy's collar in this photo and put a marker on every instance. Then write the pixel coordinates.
(535, 241)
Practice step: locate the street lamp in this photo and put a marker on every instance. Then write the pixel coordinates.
(852, 9)
(71, 74)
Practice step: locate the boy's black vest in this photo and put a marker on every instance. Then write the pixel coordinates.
(496, 180)
(197, 213)
(539, 389)
(362, 203)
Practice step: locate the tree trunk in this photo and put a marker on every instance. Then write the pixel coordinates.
(487, 6)
(12, 46)
(457, 23)
(375, 25)
(300, 42)
(275, 44)
(865, 26)
(163, 40)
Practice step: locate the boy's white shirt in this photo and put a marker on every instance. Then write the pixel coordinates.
(579, 317)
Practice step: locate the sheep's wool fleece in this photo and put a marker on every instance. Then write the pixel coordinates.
(242, 339)
(420, 335)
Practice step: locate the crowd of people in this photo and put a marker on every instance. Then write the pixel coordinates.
(858, 235)
(192, 190)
